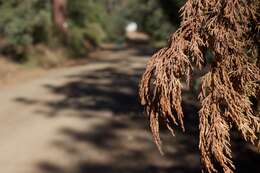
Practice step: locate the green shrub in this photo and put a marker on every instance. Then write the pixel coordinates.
(95, 33)
(24, 23)
(76, 42)
(100, 23)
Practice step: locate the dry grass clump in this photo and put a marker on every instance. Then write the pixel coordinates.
(230, 30)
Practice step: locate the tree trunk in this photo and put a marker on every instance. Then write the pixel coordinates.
(59, 15)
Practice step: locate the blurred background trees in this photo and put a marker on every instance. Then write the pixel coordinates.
(157, 18)
(26, 24)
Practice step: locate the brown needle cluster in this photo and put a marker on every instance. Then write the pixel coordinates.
(230, 30)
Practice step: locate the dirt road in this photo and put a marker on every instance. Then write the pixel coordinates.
(87, 119)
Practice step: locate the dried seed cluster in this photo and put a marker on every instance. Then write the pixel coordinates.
(230, 30)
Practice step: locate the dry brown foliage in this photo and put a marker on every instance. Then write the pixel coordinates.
(230, 30)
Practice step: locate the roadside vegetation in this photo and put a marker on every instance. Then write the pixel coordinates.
(28, 34)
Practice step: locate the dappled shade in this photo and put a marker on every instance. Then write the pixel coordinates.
(115, 137)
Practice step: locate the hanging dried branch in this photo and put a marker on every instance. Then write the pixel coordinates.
(230, 29)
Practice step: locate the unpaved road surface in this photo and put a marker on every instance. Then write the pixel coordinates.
(87, 119)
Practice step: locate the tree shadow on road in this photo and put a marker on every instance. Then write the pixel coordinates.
(121, 143)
